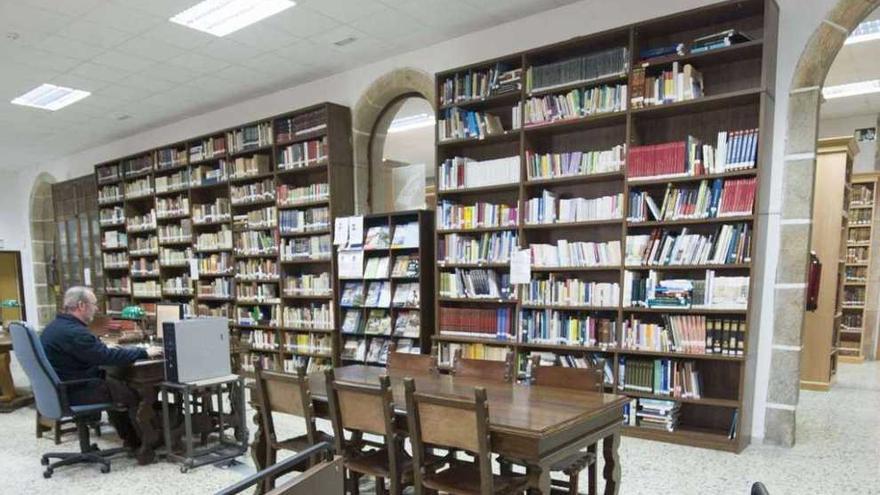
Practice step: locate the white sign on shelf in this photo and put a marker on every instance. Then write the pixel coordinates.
(351, 264)
(355, 232)
(520, 266)
(340, 231)
(194, 269)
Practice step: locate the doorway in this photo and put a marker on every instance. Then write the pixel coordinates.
(12, 305)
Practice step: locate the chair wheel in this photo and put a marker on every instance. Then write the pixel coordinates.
(44, 461)
(184, 469)
(47, 473)
(94, 447)
(105, 468)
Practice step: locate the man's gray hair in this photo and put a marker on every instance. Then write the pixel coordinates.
(75, 295)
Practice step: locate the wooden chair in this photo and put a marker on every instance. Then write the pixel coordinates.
(587, 379)
(448, 422)
(366, 409)
(288, 394)
(498, 371)
(401, 362)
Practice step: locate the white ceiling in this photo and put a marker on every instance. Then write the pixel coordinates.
(854, 63)
(138, 64)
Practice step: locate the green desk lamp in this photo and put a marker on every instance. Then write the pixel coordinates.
(135, 313)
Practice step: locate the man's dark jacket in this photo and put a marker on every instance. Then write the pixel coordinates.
(76, 353)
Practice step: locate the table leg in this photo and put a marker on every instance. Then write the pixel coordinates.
(539, 479)
(258, 446)
(7, 386)
(146, 423)
(612, 463)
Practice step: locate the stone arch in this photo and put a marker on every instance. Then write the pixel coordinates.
(42, 223)
(798, 174)
(375, 106)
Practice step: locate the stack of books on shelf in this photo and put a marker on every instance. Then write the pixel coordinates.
(451, 215)
(250, 137)
(300, 125)
(255, 243)
(110, 194)
(565, 328)
(308, 284)
(138, 188)
(257, 269)
(494, 247)
(541, 166)
(172, 182)
(480, 83)
(458, 123)
(175, 257)
(581, 69)
(734, 150)
(721, 198)
(712, 292)
(215, 288)
(261, 293)
(575, 104)
(262, 339)
(170, 158)
(144, 267)
(141, 246)
(447, 351)
(316, 247)
(680, 83)
(658, 414)
(253, 193)
(111, 216)
(181, 285)
(207, 149)
(689, 334)
(475, 284)
(557, 291)
(115, 260)
(297, 221)
(550, 208)
(313, 316)
(305, 154)
(176, 233)
(250, 166)
(477, 323)
(172, 207)
(137, 166)
(292, 196)
(210, 174)
(463, 173)
(147, 288)
(729, 244)
(218, 211)
(215, 241)
(575, 254)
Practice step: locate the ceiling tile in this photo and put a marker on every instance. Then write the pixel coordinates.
(94, 33)
(308, 52)
(244, 75)
(263, 37)
(388, 24)
(68, 7)
(170, 73)
(69, 47)
(15, 16)
(150, 49)
(177, 35)
(346, 10)
(121, 92)
(198, 63)
(229, 50)
(148, 83)
(123, 18)
(161, 8)
(79, 82)
(302, 21)
(33, 57)
(100, 72)
(122, 60)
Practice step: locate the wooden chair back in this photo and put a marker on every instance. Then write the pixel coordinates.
(284, 393)
(415, 363)
(496, 371)
(361, 409)
(449, 422)
(587, 379)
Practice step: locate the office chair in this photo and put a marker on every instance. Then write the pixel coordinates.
(50, 395)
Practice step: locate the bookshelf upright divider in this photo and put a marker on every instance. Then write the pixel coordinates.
(240, 264)
(636, 188)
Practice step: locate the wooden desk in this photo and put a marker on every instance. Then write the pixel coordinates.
(144, 377)
(10, 398)
(539, 425)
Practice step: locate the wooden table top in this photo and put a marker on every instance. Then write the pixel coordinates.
(524, 409)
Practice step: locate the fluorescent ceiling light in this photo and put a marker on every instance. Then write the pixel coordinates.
(412, 122)
(50, 97)
(221, 17)
(866, 31)
(851, 89)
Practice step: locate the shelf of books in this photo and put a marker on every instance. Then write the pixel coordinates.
(236, 224)
(613, 177)
(386, 286)
(858, 316)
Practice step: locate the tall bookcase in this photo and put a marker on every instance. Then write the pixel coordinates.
(409, 320)
(236, 224)
(738, 82)
(860, 284)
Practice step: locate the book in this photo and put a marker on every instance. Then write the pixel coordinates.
(378, 237)
(406, 295)
(584, 68)
(495, 324)
(406, 235)
(462, 172)
(405, 266)
(352, 294)
(376, 267)
(351, 322)
(378, 322)
(408, 324)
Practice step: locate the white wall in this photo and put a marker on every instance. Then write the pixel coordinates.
(799, 18)
(866, 156)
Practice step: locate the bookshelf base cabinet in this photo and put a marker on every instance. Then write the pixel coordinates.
(236, 224)
(623, 167)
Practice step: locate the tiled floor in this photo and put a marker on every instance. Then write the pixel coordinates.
(838, 452)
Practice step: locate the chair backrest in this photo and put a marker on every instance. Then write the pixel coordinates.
(360, 408)
(449, 422)
(588, 379)
(44, 381)
(403, 361)
(284, 393)
(496, 371)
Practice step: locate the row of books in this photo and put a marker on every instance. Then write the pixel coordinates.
(249, 137)
(250, 166)
(584, 68)
(494, 247)
(308, 343)
(679, 83)
(217, 287)
(374, 352)
(181, 284)
(115, 260)
(170, 157)
(575, 104)
(137, 223)
(257, 315)
(308, 284)
(257, 292)
(177, 181)
(729, 244)
(175, 257)
(715, 292)
(457, 123)
(259, 218)
(734, 150)
(262, 339)
(461, 172)
(216, 263)
(476, 322)
(172, 207)
(480, 83)
(405, 235)
(690, 334)
(317, 218)
(141, 246)
(447, 350)
(575, 254)
(110, 194)
(378, 295)
(679, 379)
(218, 211)
(313, 316)
(137, 165)
(111, 216)
(550, 208)
(144, 266)
(253, 192)
(212, 241)
(210, 173)
(721, 198)
(208, 148)
(451, 215)
(138, 187)
(549, 326)
(304, 154)
(255, 243)
(590, 360)
(301, 125)
(475, 284)
(576, 163)
(311, 364)
(317, 247)
(407, 323)
(171, 232)
(253, 269)
(291, 195)
(146, 288)
(556, 291)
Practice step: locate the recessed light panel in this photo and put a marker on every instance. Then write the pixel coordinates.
(851, 89)
(412, 122)
(866, 31)
(221, 17)
(50, 97)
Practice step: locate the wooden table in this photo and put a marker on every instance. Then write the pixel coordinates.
(144, 377)
(538, 425)
(10, 398)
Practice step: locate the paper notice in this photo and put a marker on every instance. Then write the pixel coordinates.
(521, 267)
(351, 264)
(340, 231)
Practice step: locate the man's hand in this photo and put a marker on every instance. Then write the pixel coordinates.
(154, 351)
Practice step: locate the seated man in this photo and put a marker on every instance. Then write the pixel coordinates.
(76, 354)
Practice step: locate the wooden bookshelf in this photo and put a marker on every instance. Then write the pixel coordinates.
(738, 94)
(202, 171)
(859, 291)
(423, 253)
(829, 243)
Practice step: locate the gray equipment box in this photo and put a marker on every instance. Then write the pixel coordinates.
(196, 349)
